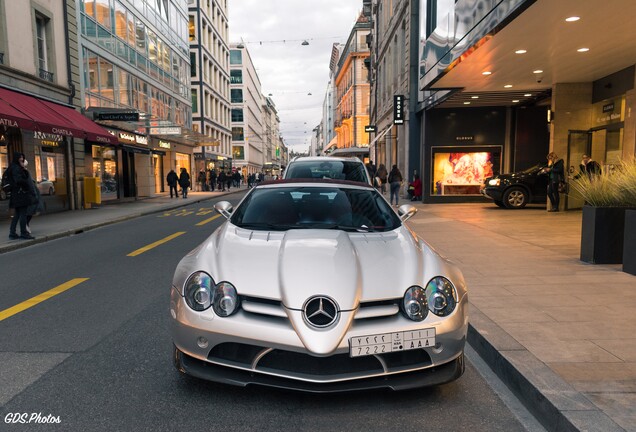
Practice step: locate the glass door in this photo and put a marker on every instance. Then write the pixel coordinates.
(578, 145)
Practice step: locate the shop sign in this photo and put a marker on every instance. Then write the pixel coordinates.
(370, 128)
(43, 136)
(120, 116)
(398, 109)
(608, 112)
(165, 131)
(8, 122)
(62, 131)
(132, 138)
(164, 144)
(464, 138)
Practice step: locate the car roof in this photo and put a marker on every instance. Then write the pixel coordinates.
(328, 158)
(315, 182)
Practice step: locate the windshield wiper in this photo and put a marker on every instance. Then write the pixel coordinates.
(351, 228)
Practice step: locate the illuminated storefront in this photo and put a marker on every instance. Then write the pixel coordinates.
(462, 170)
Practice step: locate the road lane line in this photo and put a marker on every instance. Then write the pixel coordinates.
(208, 220)
(40, 298)
(155, 244)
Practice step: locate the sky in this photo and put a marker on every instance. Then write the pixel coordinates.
(289, 70)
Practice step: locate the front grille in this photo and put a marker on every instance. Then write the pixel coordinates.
(299, 365)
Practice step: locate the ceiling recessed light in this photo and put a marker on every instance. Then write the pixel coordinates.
(583, 49)
(466, 103)
(572, 19)
(515, 100)
(474, 97)
(528, 94)
(508, 86)
(486, 73)
(521, 51)
(538, 71)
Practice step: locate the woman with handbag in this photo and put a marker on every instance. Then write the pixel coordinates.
(22, 196)
(557, 175)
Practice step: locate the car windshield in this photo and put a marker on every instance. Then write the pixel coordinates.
(532, 169)
(323, 207)
(333, 169)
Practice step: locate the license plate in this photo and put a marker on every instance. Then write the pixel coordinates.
(391, 342)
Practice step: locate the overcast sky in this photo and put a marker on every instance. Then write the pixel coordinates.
(287, 69)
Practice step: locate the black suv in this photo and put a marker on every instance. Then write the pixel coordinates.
(515, 190)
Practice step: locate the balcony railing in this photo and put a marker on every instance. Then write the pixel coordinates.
(46, 75)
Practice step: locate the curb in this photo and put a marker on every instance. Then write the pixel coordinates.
(551, 400)
(45, 238)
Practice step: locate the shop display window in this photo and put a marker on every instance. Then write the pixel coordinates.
(105, 168)
(461, 171)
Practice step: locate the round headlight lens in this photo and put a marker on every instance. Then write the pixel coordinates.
(441, 296)
(494, 182)
(198, 291)
(414, 304)
(225, 300)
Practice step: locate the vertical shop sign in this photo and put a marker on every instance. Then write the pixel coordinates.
(398, 109)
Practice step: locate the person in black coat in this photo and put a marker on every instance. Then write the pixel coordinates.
(184, 182)
(172, 179)
(557, 175)
(22, 196)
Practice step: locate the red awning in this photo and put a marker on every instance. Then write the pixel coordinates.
(93, 131)
(11, 117)
(47, 119)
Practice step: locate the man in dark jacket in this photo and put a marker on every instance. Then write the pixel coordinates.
(22, 196)
(172, 180)
(184, 182)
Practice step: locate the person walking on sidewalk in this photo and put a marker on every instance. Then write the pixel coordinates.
(172, 180)
(382, 175)
(22, 196)
(184, 182)
(557, 175)
(395, 180)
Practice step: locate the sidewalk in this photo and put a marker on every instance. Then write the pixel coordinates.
(560, 333)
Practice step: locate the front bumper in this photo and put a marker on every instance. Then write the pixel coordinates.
(250, 348)
(493, 193)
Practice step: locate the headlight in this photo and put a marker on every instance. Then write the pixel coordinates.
(414, 304)
(494, 182)
(441, 296)
(225, 301)
(198, 291)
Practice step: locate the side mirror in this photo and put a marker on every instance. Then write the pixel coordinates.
(406, 212)
(224, 208)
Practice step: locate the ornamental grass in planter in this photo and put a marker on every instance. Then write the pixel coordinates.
(607, 196)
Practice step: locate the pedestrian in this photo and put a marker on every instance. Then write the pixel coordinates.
(212, 179)
(184, 182)
(372, 171)
(588, 167)
(22, 196)
(395, 181)
(172, 179)
(201, 178)
(382, 175)
(556, 175)
(415, 188)
(222, 180)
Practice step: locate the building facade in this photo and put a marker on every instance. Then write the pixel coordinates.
(496, 100)
(353, 91)
(210, 74)
(249, 140)
(38, 69)
(135, 63)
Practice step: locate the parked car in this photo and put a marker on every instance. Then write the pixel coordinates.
(46, 187)
(337, 168)
(340, 295)
(515, 190)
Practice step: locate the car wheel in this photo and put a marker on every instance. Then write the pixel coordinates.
(515, 198)
(500, 204)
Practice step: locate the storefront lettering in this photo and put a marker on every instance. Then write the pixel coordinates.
(48, 143)
(126, 137)
(139, 139)
(8, 122)
(102, 139)
(464, 138)
(62, 131)
(47, 136)
(164, 144)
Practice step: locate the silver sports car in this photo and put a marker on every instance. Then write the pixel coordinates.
(318, 286)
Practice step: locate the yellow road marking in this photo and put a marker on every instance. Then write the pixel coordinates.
(155, 244)
(208, 220)
(40, 298)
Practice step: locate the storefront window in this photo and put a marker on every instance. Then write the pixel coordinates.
(462, 172)
(105, 168)
(183, 161)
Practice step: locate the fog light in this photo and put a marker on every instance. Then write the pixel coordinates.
(202, 342)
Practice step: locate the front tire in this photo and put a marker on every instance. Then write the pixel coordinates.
(515, 198)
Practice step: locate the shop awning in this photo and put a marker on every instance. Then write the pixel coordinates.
(30, 113)
(92, 130)
(47, 119)
(353, 151)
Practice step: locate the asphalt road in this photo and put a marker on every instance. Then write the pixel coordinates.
(95, 354)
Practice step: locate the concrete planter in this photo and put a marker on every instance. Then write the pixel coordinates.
(602, 231)
(629, 242)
